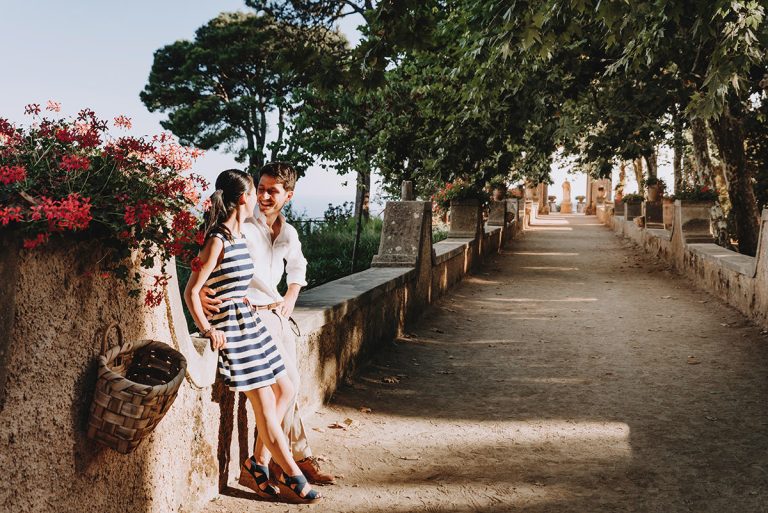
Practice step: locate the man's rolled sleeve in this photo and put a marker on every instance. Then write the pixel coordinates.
(295, 263)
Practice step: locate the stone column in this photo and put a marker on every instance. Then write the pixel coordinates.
(566, 207)
(406, 192)
(589, 199)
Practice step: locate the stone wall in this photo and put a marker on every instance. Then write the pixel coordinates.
(51, 312)
(740, 280)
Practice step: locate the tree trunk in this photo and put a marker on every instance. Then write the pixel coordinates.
(651, 161)
(622, 178)
(677, 160)
(637, 167)
(362, 195)
(729, 137)
(701, 160)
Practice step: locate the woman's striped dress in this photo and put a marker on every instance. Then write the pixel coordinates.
(250, 358)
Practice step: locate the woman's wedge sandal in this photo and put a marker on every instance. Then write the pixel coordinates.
(254, 477)
(296, 486)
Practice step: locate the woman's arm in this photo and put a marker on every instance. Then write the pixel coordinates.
(209, 257)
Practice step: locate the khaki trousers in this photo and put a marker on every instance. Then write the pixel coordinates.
(285, 340)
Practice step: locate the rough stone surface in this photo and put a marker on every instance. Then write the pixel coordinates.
(48, 463)
(465, 219)
(498, 213)
(403, 234)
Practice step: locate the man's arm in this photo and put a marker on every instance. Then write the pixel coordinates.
(296, 270)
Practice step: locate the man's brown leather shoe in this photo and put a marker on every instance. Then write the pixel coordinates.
(311, 469)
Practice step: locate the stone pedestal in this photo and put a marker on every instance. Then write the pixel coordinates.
(668, 213)
(466, 221)
(566, 207)
(695, 221)
(552, 206)
(498, 213)
(580, 207)
(654, 214)
(633, 209)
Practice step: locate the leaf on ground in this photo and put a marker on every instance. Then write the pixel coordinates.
(437, 330)
(666, 297)
(350, 423)
(410, 458)
(391, 379)
(710, 418)
(445, 372)
(693, 361)
(365, 409)
(337, 425)
(319, 430)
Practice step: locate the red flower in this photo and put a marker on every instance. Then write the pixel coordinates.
(200, 237)
(153, 298)
(705, 188)
(71, 213)
(74, 162)
(64, 136)
(123, 122)
(32, 108)
(41, 238)
(10, 214)
(196, 264)
(12, 174)
(142, 213)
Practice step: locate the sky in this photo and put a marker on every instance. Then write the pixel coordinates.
(98, 54)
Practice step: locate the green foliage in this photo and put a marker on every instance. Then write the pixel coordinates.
(688, 193)
(328, 250)
(632, 198)
(219, 89)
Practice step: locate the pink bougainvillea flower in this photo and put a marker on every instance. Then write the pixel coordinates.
(12, 174)
(53, 106)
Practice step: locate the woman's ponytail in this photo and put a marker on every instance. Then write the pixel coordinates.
(230, 185)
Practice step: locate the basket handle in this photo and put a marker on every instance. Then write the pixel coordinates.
(105, 337)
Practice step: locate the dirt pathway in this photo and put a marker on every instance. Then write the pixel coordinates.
(567, 375)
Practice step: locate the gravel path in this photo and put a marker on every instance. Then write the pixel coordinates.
(569, 374)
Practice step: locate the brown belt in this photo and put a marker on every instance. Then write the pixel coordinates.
(270, 306)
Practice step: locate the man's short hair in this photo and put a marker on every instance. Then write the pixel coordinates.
(282, 172)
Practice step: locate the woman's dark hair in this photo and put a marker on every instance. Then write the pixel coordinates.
(230, 185)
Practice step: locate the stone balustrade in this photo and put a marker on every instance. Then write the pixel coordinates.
(51, 313)
(740, 280)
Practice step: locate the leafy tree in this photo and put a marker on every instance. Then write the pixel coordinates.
(220, 90)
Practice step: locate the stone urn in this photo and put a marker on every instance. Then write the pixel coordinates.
(654, 192)
(465, 218)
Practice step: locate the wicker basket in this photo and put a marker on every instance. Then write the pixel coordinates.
(137, 384)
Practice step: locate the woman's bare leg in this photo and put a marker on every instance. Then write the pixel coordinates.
(284, 393)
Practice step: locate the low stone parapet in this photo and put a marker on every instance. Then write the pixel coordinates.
(740, 280)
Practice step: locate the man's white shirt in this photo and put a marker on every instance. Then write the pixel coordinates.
(271, 259)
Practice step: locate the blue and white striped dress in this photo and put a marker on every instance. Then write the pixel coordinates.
(250, 358)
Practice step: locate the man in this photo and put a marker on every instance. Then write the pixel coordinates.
(275, 249)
